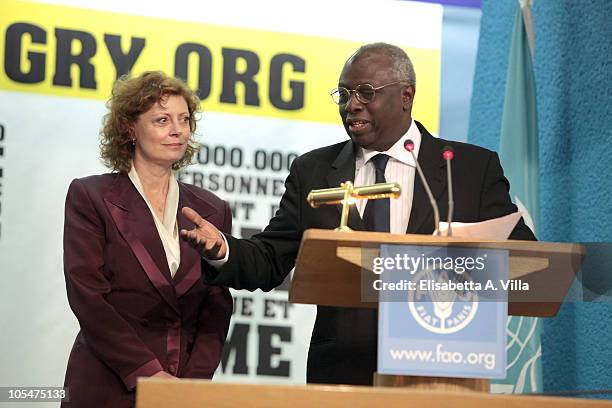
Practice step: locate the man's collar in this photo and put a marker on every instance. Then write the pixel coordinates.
(397, 151)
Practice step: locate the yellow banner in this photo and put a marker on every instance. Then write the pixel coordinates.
(67, 51)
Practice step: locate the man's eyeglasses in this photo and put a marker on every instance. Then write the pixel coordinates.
(364, 93)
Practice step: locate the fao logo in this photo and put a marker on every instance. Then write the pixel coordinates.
(439, 305)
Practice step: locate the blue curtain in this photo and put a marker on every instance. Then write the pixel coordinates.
(573, 70)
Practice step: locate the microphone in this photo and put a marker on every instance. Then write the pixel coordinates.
(448, 153)
(409, 145)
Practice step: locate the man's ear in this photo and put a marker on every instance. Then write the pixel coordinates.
(408, 97)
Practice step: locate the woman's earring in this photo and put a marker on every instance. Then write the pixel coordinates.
(133, 142)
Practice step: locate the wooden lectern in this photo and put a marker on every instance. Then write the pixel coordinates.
(548, 268)
(328, 272)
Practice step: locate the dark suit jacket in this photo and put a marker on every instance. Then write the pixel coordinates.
(135, 318)
(343, 344)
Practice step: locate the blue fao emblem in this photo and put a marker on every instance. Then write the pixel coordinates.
(441, 304)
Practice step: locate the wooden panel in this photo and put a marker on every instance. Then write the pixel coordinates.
(432, 383)
(158, 393)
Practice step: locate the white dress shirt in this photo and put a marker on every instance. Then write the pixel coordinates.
(400, 169)
(168, 229)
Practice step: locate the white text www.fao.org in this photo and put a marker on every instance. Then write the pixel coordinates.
(487, 360)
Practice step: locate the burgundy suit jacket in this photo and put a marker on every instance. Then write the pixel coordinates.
(135, 318)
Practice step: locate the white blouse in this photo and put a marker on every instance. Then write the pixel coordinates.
(168, 229)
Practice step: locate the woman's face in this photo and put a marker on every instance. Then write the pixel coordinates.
(162, 132)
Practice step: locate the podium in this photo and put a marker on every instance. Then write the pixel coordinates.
(548, 268)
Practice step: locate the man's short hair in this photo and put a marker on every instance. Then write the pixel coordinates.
(402, 66)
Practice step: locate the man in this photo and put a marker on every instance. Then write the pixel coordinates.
(375, 95)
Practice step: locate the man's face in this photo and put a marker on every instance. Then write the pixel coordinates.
(378, 124)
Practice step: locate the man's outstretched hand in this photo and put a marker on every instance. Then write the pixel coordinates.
(205, 237)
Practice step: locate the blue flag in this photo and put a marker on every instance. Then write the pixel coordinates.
(519, 157)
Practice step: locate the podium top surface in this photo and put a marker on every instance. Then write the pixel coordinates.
(330, 264)
(153, 393)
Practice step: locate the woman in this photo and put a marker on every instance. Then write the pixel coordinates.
(133, 285)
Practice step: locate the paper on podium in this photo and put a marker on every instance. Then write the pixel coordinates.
(497, 228)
